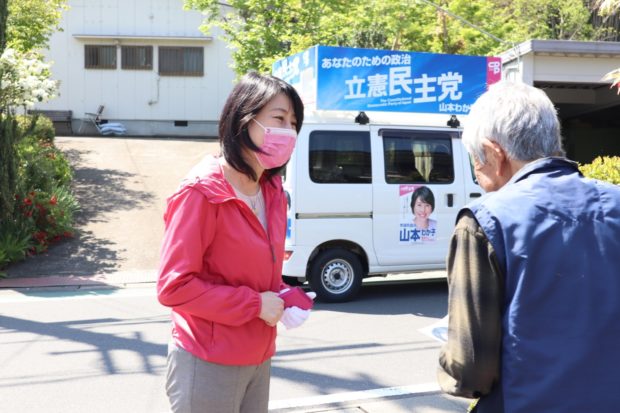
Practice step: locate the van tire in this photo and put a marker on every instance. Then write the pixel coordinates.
(336, 275)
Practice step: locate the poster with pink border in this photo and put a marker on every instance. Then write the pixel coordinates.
(417, 222)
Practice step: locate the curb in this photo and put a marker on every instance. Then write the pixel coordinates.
(118, 279)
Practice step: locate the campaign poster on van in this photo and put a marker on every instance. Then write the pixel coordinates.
(417, 223)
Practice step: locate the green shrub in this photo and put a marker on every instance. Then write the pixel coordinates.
(15, 241)
(3, 260)
(41, 166)
(38, 126)
(48, 215)
(39, 205)
(604, 168)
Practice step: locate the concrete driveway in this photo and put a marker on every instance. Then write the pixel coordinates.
(121, 185)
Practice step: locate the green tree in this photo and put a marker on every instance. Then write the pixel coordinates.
(8, 167)
(31, 22)
(25, 25)
(467, 27)
(4, 12)
(261, 31)
(607, 8)
(548, 19)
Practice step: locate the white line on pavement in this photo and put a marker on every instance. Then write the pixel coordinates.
(413, 390)
(85, 294)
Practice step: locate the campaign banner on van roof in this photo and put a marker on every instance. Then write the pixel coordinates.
(344, 78)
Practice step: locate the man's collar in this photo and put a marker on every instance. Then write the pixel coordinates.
(542, 163)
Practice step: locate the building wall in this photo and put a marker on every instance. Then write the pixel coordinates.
(144, 101)
(573, 69)
(521, 69)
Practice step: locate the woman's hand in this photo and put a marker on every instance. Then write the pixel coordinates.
(271, 308)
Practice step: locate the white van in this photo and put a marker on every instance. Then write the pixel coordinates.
(350, 187)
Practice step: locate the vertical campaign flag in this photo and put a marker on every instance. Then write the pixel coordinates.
(300, 71)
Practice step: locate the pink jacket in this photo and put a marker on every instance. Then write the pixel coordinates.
(215, 260)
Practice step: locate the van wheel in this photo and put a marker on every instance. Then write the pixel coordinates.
(336, 275)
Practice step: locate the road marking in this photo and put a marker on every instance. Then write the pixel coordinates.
(86, 294)
(387, 392)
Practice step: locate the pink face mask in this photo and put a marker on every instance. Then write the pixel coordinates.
(277, 147)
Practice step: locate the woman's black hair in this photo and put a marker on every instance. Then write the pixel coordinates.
(247, 98)
(425, 194)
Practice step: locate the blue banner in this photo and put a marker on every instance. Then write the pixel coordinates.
(342, 78)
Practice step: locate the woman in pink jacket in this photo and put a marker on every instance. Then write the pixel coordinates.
(221, 258)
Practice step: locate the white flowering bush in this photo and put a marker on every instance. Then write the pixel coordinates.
(24, 80)
(607, 8)
(614, 76)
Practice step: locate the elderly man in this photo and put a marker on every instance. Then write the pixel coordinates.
(533, 269)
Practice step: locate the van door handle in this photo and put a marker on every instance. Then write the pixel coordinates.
(450, 199)
(475, 195)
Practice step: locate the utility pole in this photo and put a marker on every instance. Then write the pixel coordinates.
(444, 27)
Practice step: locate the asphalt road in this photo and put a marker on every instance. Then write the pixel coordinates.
(103, 350)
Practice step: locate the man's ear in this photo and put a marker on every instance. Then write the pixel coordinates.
(503, 165)
(497, 155)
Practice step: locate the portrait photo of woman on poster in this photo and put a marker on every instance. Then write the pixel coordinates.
(422, 206)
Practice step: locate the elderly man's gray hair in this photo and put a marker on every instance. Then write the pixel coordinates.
(520, 118)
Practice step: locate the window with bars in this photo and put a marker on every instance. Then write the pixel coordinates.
(99, 57)
(181, 61)
(137, 57)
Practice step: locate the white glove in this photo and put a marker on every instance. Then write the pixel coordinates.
(294, 317)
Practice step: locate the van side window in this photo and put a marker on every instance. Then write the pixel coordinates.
(339, 157)
(418, 157)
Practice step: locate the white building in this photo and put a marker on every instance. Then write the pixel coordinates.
(145, 61)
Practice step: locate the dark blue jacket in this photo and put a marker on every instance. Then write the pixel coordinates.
(557, 239)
